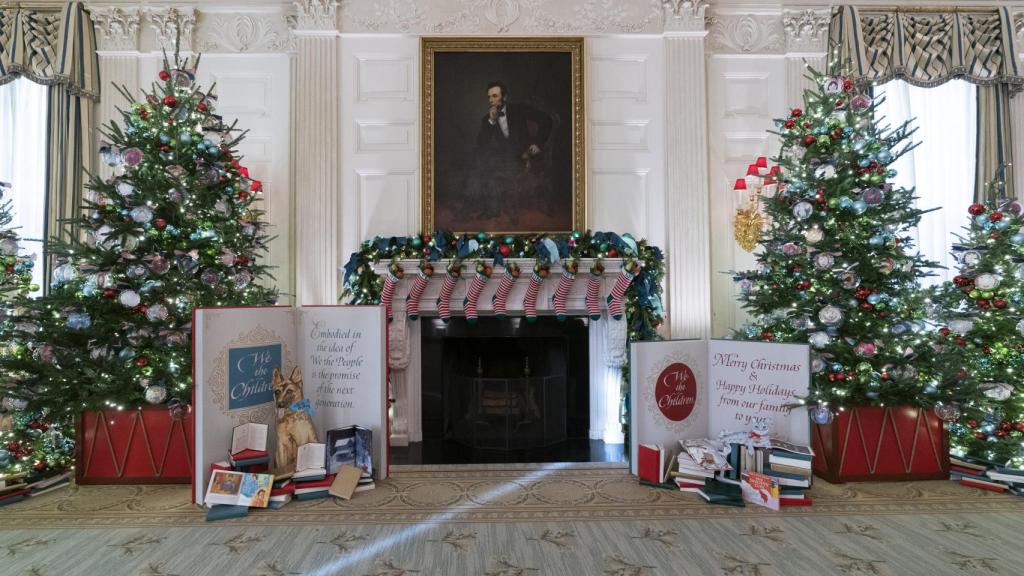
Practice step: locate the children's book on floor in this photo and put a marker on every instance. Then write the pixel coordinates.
(239, 489)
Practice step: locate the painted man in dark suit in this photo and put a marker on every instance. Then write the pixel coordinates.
(510, 155)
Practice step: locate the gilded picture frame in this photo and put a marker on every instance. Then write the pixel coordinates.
(503, 141)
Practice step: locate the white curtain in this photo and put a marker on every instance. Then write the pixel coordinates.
(941, 168)
(23, 162)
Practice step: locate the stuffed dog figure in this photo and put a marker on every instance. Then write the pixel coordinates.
(294, 421)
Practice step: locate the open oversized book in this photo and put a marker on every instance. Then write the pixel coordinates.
(330, 364)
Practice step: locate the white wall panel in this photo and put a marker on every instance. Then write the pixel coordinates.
(746, 93)
(384, 76)
(619, 75)
(620, 200)
(387, 203)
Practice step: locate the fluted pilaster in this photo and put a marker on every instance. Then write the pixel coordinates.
(117, 46)
(1017, 117)
(687, 210)
(317, 152)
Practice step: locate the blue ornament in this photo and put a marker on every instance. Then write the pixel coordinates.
(184, 137)
(5, 457)
(891, 173)
(126, 353)
(207, 143)
(859, 207)
(1002, 224)
(863, 162)
(848, 130)
(876, 241)
(851, 303)
(1017, 238)
(837, 367)
(79, 320)
(165, 139)
(821, 415)
(981, 219)
(884, 156)
(845, 202)
(874, 298)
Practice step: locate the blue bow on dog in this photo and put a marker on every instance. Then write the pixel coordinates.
(303, 405)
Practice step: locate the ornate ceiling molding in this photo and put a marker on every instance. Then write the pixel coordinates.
(746, 33)
(254, 32)
(316, 16)
(806, 30)
(684, 15)
(117, 29)
(169, 24)
(502, 16)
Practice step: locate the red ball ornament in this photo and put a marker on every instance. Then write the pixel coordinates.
(1004, 425)
(426, 238)
(867, 306)
(243, 195)
(961, 373)
(995, 235)
(1018, 426)
(986, 350)
(109, 292)
(831, 377)
(1002, 433)
(789, 124)
(505, 250)
(165, 148)
(39, 466)
(612, 252)
(766, 335)
(840, 102)
(980, 435)
(847, 85)
(841, 376)
(141, 361)
(882, 314)
(164, 75)
(959, 341)
(808, 140)
(201, 106)
(944, 331)
(976, 209)
(160, 223)
(885, 375)
(862, 293)
(12, 446)
(796, 113)
(995, 216)
(999, 303)
(983, 302)
(170, 101)
(972, 423)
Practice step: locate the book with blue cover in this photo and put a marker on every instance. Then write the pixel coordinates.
(226, 511)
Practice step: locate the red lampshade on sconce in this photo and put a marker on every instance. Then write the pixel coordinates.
(762, 162)
(741, 184)
(752, 170)
(775, 171)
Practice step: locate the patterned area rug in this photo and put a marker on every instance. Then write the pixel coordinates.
(490, 495)
(540, 522)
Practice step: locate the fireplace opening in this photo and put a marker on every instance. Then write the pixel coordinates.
(504, 391)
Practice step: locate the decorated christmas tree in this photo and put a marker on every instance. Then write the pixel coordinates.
(29, 445)
(981, 336)
(176, 227)
(837, 268)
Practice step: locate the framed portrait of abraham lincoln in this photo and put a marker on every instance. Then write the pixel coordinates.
(503, 145)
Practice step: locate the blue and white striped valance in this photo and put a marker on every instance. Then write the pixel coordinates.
(56, 47)
(927, 49)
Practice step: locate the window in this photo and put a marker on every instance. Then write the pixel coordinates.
(941, 168)
(23, 106)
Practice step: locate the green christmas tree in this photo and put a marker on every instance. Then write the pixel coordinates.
(176, 227)
(30, 446)
(981, 338)
(837, 267)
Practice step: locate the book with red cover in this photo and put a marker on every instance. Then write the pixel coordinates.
(315, 485)
(222, 465)
(289, 489)
(248, 455)
(651, 463)
(991, 486)
(14, 496)
(805, 501)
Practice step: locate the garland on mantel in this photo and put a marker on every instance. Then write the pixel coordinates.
(644, 310)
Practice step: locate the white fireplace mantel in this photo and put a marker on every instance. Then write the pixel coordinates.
(607, 349)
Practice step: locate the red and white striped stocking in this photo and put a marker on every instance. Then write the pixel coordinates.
(500, 298)
(562, 291)
(476, 286)
(412, 301)
(594, 290)
(530, 301)
(388, 293)
(444, 299)
(619, 290)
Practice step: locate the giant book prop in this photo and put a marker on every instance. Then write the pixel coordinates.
(688, 389)
(300, 371)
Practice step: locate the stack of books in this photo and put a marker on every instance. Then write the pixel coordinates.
(978, 473)
(250, 461)
(230, 493)
(249, 448)
(352, 446)
(305, 489)
(16, 488)
(654, 463)
(282, 491)
(311, 478)
(791, 464)
(689, 476)
(715, 491)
